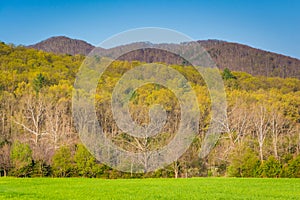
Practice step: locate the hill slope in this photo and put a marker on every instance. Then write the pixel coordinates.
(236, 57)
(63, 45)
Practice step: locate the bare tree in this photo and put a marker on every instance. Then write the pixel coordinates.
(261, 126)
(7, 105)
(33, 116)
(278, 125)
(5, 163)
(58, 123)
(236, 127)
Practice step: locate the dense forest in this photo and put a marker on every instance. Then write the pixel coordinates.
(234, 56)
(38, 137)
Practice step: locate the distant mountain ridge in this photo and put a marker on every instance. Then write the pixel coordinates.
(63, 45)
(239, 57)
(236, 57)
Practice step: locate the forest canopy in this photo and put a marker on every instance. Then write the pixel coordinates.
(38, 137)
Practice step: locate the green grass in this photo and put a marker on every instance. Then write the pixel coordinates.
(195, 188)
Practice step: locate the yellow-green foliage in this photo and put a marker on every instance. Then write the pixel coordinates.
(35, 78)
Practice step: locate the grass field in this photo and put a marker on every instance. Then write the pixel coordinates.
(195, 188)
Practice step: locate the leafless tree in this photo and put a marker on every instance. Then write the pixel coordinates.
(261, 126)
(33, 117)
(58, 123)
(5, 162)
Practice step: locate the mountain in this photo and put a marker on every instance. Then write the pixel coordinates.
(63, 45)
(234, 56)
(238, 57)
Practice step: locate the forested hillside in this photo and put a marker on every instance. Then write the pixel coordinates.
(38, 138)
(234, 56)
(64, 45)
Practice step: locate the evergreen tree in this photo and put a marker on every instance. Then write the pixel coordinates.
(85, 162)
(39, 82)
(227, 74)
(62, 163)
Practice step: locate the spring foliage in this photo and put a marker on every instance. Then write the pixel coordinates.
(261, 138)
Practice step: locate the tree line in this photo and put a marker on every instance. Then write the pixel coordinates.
(38, 137)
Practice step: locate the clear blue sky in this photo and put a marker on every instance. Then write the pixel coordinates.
(269, 25)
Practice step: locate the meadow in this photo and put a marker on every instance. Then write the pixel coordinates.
(193, 188)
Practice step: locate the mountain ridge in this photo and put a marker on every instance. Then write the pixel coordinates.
(63, 45)
(234, 56)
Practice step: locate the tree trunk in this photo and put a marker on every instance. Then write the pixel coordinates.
(275, 149)
(176, 171)
(261, 152)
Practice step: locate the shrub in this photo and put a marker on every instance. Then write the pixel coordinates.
(293, 168)
(271, 167)
(62, 162)
(244, 163)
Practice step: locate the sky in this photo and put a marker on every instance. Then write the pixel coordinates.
(266, 24)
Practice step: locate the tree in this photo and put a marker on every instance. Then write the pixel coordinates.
(21, 156)
(32, 111)
(293, 169)
(227, 74)
(62, 163)
(271, 168)
(261, 126)
(244, 163)
(238, 125)
(58, 124)
(278, 125)
(38, 83)
(85, 162)
(5, 163)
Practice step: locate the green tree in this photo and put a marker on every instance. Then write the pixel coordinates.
(227, 74)
(244, 163)
(39, 82)
(271, 167)
(293, 169)
(21, 156)
(62, 162)
(85, 162)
